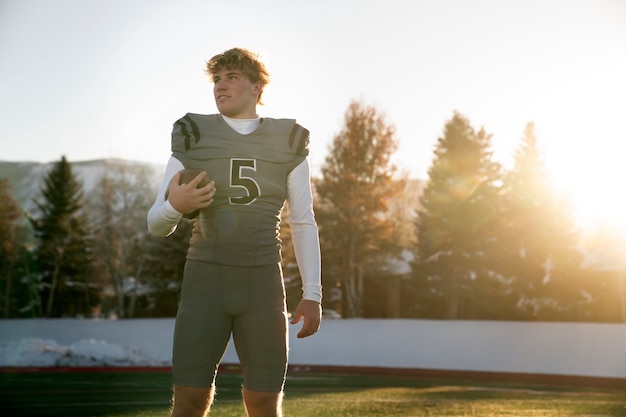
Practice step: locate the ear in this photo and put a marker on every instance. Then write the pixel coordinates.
(258, 87)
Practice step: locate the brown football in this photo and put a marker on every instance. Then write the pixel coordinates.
(186, 176)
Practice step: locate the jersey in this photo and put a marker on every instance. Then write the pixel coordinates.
(241, 226)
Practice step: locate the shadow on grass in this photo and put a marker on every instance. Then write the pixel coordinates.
(147, 394)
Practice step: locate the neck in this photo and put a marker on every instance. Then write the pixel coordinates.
(243, 126)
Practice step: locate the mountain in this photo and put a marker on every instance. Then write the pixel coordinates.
(26, 178)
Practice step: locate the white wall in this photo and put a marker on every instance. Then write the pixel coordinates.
(577, 349)
(495, 346)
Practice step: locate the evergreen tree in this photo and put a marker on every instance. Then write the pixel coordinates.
(63, 246)
(163, 267)
(604, 276)
(354, 192)
(543, 262)
(457, 228)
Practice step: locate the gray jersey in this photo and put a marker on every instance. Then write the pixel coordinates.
(250, 172)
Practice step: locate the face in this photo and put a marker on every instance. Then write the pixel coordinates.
(235, 95)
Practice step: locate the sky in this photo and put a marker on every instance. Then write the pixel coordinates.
(107, 78)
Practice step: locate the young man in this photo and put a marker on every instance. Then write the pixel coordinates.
(232, 282)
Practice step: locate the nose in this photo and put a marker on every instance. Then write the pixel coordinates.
(220, 85)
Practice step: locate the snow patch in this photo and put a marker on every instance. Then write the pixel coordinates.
(89, 352)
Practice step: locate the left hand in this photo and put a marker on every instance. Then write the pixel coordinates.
(311, 312)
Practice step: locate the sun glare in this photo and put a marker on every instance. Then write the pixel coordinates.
(592, 184)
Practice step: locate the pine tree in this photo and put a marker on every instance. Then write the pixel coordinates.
(457, 227)
(543, 261)
(354, 192)
(164, 261)
(62, 246)
(605, 281)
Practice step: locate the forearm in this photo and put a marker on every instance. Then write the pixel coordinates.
(306, 248)
(162, 217)
(304, 232)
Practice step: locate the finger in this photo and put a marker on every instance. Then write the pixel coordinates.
(197, 179)
(296, 318)
(305, 331)
(208, 189)
(309, 327)
(204, 199)
(204, 196)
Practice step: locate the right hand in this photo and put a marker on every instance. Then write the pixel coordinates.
(186, 198)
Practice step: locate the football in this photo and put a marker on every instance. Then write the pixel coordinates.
(186, 176)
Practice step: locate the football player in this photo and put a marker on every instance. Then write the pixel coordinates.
(232, 281)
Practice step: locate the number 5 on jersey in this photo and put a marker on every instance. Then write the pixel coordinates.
(240, 171)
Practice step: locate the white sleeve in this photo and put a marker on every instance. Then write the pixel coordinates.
(162, 217)
(304, 231)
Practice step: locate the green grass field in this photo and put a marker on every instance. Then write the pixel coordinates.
(147, 394)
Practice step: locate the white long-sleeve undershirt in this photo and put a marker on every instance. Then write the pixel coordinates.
(163, 218)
